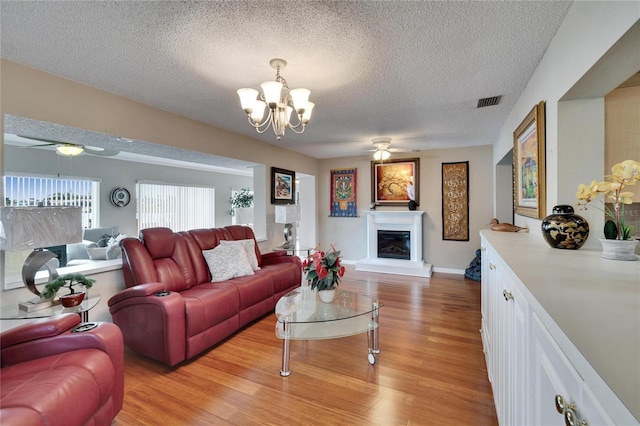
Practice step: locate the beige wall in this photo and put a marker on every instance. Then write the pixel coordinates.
(349, 234)
(27, 92)
(622, 128)
(594, 51)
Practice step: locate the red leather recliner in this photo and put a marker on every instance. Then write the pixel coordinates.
(53, 373)
(171, 311)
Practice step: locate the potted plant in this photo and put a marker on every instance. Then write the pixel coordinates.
(623, 174)
(324, 272)
(241, 198)
(70, 281)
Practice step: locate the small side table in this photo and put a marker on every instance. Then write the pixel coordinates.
(297, 249)
(12, 312)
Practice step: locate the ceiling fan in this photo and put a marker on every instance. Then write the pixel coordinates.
(382, 148)
(72, 149)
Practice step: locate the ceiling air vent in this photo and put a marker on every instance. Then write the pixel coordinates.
(485, 102)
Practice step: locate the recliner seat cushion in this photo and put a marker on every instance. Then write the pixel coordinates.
(32, 390)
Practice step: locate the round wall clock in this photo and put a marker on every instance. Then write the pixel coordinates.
(120, 197)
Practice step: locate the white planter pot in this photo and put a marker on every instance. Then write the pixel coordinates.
(619, 249)
(327, 295)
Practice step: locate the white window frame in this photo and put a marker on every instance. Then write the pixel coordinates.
(90, 212)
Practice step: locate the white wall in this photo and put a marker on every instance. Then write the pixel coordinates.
(590, 32)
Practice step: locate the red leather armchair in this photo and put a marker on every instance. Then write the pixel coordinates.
(53, 372)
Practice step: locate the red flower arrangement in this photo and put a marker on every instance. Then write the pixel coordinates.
(323, 269)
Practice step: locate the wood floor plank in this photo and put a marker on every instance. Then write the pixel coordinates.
(431, 369)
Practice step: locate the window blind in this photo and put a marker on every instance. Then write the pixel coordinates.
(179, 207)
(26, 191)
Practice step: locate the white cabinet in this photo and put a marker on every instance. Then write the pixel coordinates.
(559, 391)
(505, 315)
(529, 365)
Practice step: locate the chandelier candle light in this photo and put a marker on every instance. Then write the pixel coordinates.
(281, 102)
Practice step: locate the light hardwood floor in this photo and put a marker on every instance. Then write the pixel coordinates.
(431, 369)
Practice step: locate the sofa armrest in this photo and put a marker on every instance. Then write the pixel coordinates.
(47, 327)
(50, 336)
(153, 321)
(275, 253)
(280, 256)
(141, 290)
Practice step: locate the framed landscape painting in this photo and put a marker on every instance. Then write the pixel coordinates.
(529, 173)
(395, 182)
(283, 186)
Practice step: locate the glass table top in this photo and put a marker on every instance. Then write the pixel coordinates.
(10, 312)
(309, 318)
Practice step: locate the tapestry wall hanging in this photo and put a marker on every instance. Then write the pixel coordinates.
(344, 192)
(395, 182)
(455, 201)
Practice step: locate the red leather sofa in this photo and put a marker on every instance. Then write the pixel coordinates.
(54, 373)
(171, 311)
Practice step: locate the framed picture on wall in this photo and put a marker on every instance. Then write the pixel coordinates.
(529, 170)
(283, 186)
(395, 182)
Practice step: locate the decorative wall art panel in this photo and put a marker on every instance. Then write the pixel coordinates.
(344, 193)
(455, 201)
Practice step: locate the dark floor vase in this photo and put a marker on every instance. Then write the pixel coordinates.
(565, 230)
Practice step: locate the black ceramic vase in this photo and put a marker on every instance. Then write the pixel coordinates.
(412, 204)
(565, 230)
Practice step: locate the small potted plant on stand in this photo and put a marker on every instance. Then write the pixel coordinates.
(75, 297)
(324, 272)
(242, 205)
(618, 244)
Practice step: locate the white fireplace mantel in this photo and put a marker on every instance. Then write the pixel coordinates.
(407, 220)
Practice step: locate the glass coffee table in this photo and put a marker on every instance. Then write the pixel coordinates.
(303, 316)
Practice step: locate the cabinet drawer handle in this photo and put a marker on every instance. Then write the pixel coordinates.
(492, 266)
(570, 419)
(508, 296)
(569, 412)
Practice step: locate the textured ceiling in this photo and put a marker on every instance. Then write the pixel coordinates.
(411, 71)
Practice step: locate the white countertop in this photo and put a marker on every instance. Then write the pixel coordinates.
(594, 301)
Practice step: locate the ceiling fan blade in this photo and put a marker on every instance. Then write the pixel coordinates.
(100, 152)
(49, 141)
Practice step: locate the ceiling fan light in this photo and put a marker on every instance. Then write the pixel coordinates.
(386, 154)
(377, 155)
(69, 150)
(247, 99)
(271, 90)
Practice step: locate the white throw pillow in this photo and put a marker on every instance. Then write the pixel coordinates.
(114, 251)
(97, 253)
(249, 248)
(226, 262)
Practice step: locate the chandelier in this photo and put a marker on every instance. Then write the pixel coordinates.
(281, 102)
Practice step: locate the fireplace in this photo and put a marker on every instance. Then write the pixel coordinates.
(394, 244)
